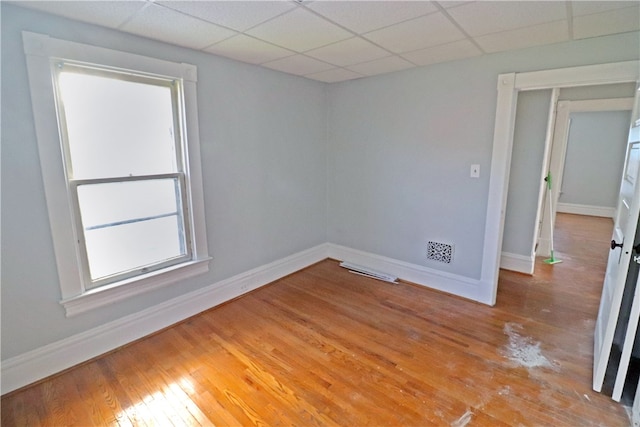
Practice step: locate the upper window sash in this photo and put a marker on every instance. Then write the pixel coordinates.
(174, 86)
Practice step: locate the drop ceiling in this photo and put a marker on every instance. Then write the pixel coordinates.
(332, 41)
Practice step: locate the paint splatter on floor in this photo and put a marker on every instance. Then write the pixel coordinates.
(463, 420)
(523, 350)
(504, 391)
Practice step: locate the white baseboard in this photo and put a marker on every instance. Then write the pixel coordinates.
(515, 262)
(42, 362)
(451, 283)
(572, 208)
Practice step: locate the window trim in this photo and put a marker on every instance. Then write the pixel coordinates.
(41, 52)
(175, 87)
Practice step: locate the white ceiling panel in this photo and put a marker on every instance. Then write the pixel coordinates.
(552, 32)
(419, 33)
(365, 16)
(381, 66)
(335, 40)
(348, 52)
(446, 52)
(106, 13)
(590, 7)
(447, 4)
(612, 22)
(237, 15)
(334, 75)
(298, 64)
(247, 49)
(487, 17)
(299, 30)
(164, 24)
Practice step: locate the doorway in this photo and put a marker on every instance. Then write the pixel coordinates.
(540, 136)
(509, 86)
(586, 161)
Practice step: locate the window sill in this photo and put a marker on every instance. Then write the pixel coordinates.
(102, 296)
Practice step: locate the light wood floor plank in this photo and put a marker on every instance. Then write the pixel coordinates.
(323, 347)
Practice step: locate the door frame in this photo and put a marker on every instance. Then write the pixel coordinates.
(558, 155)
(509, 85)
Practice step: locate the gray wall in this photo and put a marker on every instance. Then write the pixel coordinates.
(619, 90)
(400, 148)
(595, 158)
(378, 164)
(262, 134)
(532, 115)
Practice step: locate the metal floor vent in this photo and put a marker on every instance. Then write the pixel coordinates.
(365, 271)
(441, 252)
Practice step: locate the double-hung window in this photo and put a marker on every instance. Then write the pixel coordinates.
(123, 154)
(119, 150)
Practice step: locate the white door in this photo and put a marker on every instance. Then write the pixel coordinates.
(627, 348)
(622, 244)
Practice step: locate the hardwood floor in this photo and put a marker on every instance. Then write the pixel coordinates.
(326, 347)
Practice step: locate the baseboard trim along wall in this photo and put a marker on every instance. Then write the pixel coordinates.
(420, 275)
(50, 359)
(42, 362)
(514, 262)
(572, 208)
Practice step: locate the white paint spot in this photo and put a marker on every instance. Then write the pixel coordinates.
(463, 420)
(504, 391)
(587, 397)
(523, 350)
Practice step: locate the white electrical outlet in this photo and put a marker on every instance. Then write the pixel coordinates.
(475, 171)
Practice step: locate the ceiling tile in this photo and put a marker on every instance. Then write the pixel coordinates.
(247, 49)
(445, 52)
(334, 75)
(380, 66)
(238, 15)
(167, 25)
(299, 30)
(486, 17)
(612, 22)
(348, 52)
(447, 4)
(590, 7)
(552, 32)
(106, 13)
(365, 16)
(342, 40)
(419, 33)
(298, 64)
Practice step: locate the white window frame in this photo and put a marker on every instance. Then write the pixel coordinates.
(41, 52)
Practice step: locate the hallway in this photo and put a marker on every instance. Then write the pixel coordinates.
(582, 243)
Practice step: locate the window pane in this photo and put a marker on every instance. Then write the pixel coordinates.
(117, 127)
(126, 247)
(131, 224)
(106, 203)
